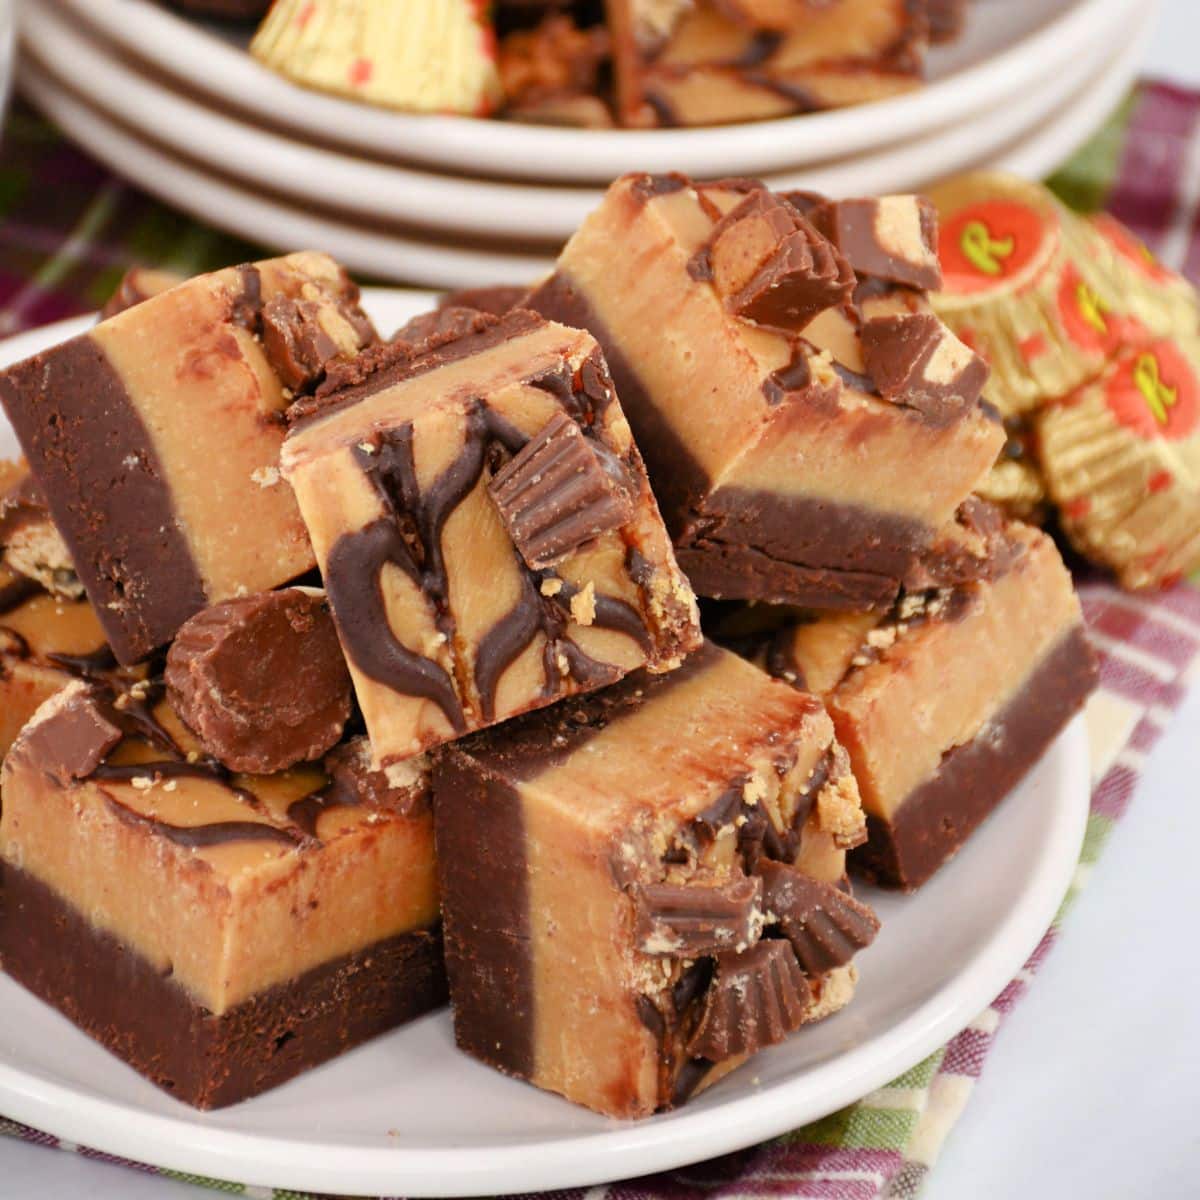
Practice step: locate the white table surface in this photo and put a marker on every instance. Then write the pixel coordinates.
(1093, 1089)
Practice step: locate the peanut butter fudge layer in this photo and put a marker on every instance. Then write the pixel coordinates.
(784, 470)
(220, 933)
(644, 886)
(946, 703)
(486, 532)
(155, 439)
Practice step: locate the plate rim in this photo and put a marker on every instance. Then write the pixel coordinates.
(184, 126)
(510, 149)
(185, 1143)
(448, 268)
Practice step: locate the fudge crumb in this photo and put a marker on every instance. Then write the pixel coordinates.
(551, 586)
(143, 783)
(265, 477)
(583, 605)
(840, 814)
(406, 774)
(754, 790)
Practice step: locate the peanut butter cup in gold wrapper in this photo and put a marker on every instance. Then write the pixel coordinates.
(407, 54)
(1024, 286)
(1121, 459)
(1159, 298)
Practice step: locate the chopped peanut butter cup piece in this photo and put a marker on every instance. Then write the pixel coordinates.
(687, 921)
(724, 408)
(487, 535)
(893, 238)
(771, 266)
(757, 997)
(560, 491)
(914, 359)
(599, 864)
(155, 440)
(220, 933)
(826, 926)
(261, 680)
(947, 701)
(74, 734)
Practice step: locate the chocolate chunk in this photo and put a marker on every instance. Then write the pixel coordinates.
(892, 238)
(72, 735)
(497, 300)
(261, 680)
(690, 920)
(756, 999)
(914, 360)
(773, 267)
(31, 543)
(560, 491)
(354, 780)
(298, 343)
(446, 324)
(825, 926)
(138, 284)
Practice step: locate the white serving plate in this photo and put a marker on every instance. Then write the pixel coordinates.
(1011, 48)
(381, 252)
(407, 1114)
(190, 126)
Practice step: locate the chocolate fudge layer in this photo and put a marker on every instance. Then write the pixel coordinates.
(642, 887)
(155, 439)
(219, 932)
(784, 472)
(946, 703)
(486, 532)
(717, 61)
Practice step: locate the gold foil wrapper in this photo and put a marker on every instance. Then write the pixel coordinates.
(1024, 286)
(1121, 459)
(1157, 297)
(406, 54)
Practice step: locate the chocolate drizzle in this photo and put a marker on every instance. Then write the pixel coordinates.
(16, 593)
(88, 666)
(410, 538)
(201, 837)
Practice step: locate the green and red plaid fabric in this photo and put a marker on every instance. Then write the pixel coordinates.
(69, 228)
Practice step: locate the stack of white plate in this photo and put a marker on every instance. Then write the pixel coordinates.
(179, 106)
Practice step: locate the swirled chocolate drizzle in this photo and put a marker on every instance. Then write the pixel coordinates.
(134, 715)
(16, 593)
(201, 837)
(87, 666)
(410, 538)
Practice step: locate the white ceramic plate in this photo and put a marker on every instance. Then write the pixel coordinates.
(1011, 48)
(384, 253)
(409, 1115)
(191, 127)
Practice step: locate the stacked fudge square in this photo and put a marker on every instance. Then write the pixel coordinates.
(339, 674)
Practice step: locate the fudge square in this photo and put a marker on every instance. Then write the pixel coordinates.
(155, 439)
(220, 933)
(945, 703)
(644, 886)
(796, 459)
(486, 532)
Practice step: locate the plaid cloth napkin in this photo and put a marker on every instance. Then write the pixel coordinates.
(68, 229)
